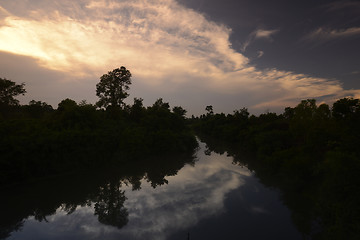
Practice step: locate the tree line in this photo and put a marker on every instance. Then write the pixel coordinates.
(37, 140)
(311, 152)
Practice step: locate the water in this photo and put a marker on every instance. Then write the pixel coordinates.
(208, 199)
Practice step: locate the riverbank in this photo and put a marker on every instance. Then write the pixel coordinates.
(309, 152)
(76, 137)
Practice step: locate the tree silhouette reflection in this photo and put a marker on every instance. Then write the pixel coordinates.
(110, 206)
(101, 188)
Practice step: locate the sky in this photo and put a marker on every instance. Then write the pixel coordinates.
(259, 54)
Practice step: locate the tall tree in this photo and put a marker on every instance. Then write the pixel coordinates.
(112, 88)
(9, 90)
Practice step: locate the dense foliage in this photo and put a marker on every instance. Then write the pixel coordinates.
(310, 152)
(36, 140)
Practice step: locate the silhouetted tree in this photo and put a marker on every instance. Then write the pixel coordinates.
(179, 111)
(305, 109)
(137, 110)
(289, 113)
(67, 104)
(323, 112)
(37, 109)
(112, 87)
(40, 104)
(9, 90)
(209, 110)
(159, 104)
(243, 114)
(346, 108)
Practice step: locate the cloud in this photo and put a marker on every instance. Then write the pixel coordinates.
(171, 51)
(260, 54)
(340, 5)
(324, 34)
(261, 33)
(202, 194)
(147, 34)
(258, 34)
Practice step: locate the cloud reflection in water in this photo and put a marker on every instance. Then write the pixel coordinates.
(195, 194)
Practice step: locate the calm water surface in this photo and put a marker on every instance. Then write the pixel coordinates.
(211, 199)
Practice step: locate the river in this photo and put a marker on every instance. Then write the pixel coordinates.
(208, 197)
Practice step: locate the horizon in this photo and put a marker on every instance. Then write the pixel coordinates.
(253, 54)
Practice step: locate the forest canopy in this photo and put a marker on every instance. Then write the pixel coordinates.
(37, 140)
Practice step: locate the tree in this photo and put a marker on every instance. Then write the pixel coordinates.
(323, 112)
(37, 109)
(110, 206)
(9, 90)
(66, 105)
(289, 113)
(306, 109)
(112, 87)
(243, 114)
(209, 110)
(179, 111)
(40, 104)
(137, 110)
(160, 105)
(346, 108)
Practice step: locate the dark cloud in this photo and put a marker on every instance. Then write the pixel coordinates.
(295, 20)
(353, 6)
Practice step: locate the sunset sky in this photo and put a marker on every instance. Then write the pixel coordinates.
(260, 54)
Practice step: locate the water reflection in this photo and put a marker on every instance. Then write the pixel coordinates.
(195, 194)
(98, 193)
(109, 206)
(210, 199)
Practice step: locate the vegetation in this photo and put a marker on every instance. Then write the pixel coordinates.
(36, 140)
(310, 152)
(112, 88)
(9, 90)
